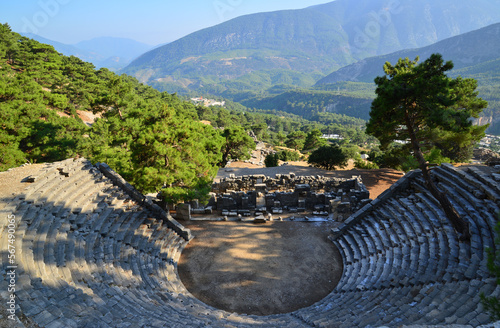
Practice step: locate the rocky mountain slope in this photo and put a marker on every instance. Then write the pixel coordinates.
(296, 46)
(469, 53)
(475, 55)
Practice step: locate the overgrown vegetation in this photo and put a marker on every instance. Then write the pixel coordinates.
(285, 155)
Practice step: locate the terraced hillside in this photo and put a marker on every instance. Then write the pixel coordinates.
(91, 253)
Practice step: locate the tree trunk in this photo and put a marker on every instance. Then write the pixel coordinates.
(460, 225)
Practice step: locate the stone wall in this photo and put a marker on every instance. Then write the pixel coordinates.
(283, 182)
(288, 193)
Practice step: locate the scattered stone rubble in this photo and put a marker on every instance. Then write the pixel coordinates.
(256, 195)
(487, 156)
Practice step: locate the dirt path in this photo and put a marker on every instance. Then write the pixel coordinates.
(264, 269)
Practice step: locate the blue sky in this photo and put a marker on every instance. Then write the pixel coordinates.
(149, 21)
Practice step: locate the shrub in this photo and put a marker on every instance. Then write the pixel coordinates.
(271, 160)
(287, 155)
(365, 165)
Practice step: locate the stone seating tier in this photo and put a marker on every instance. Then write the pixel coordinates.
(93, 253)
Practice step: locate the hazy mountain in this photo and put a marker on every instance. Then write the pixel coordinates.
(65, 49)
(264, 48)
(109, 52)
(466, 50)
(114, 47)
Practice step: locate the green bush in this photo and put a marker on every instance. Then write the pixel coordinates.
(271, 160)
(288, 155)
(365, 165)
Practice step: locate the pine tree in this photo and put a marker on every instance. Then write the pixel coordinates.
(328, 157)
(419, 104)
(238, 145)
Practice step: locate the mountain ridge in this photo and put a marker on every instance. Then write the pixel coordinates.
(110, 52)
(313, 40)
(465, 50)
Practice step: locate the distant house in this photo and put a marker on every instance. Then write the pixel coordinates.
(332, 136)
(207, 102)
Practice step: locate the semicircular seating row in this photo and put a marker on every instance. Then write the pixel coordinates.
(89, 256)
(403, 262)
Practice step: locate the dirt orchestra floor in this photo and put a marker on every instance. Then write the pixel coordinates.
(261, 269)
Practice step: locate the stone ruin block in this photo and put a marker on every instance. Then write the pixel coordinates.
(328, 198)
(259, 178)
(195, 204)
(276, 210)
(198, 211)
(183, 212)
(301, 205)
(344, 207)
(245, 202)
(228, 203)
(237, 196)
(260, 187)
(289, 199)
(213, 200)
(244, 212)
(270, 198)
(303, 187)
(320, 207)
(252, 199)
(334, 204)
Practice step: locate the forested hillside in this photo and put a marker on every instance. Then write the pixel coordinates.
(350, 99)
(475, 55)
(465, 50)
(153, 139)
(297, 46)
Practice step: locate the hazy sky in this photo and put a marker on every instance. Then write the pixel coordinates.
(149, 21)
